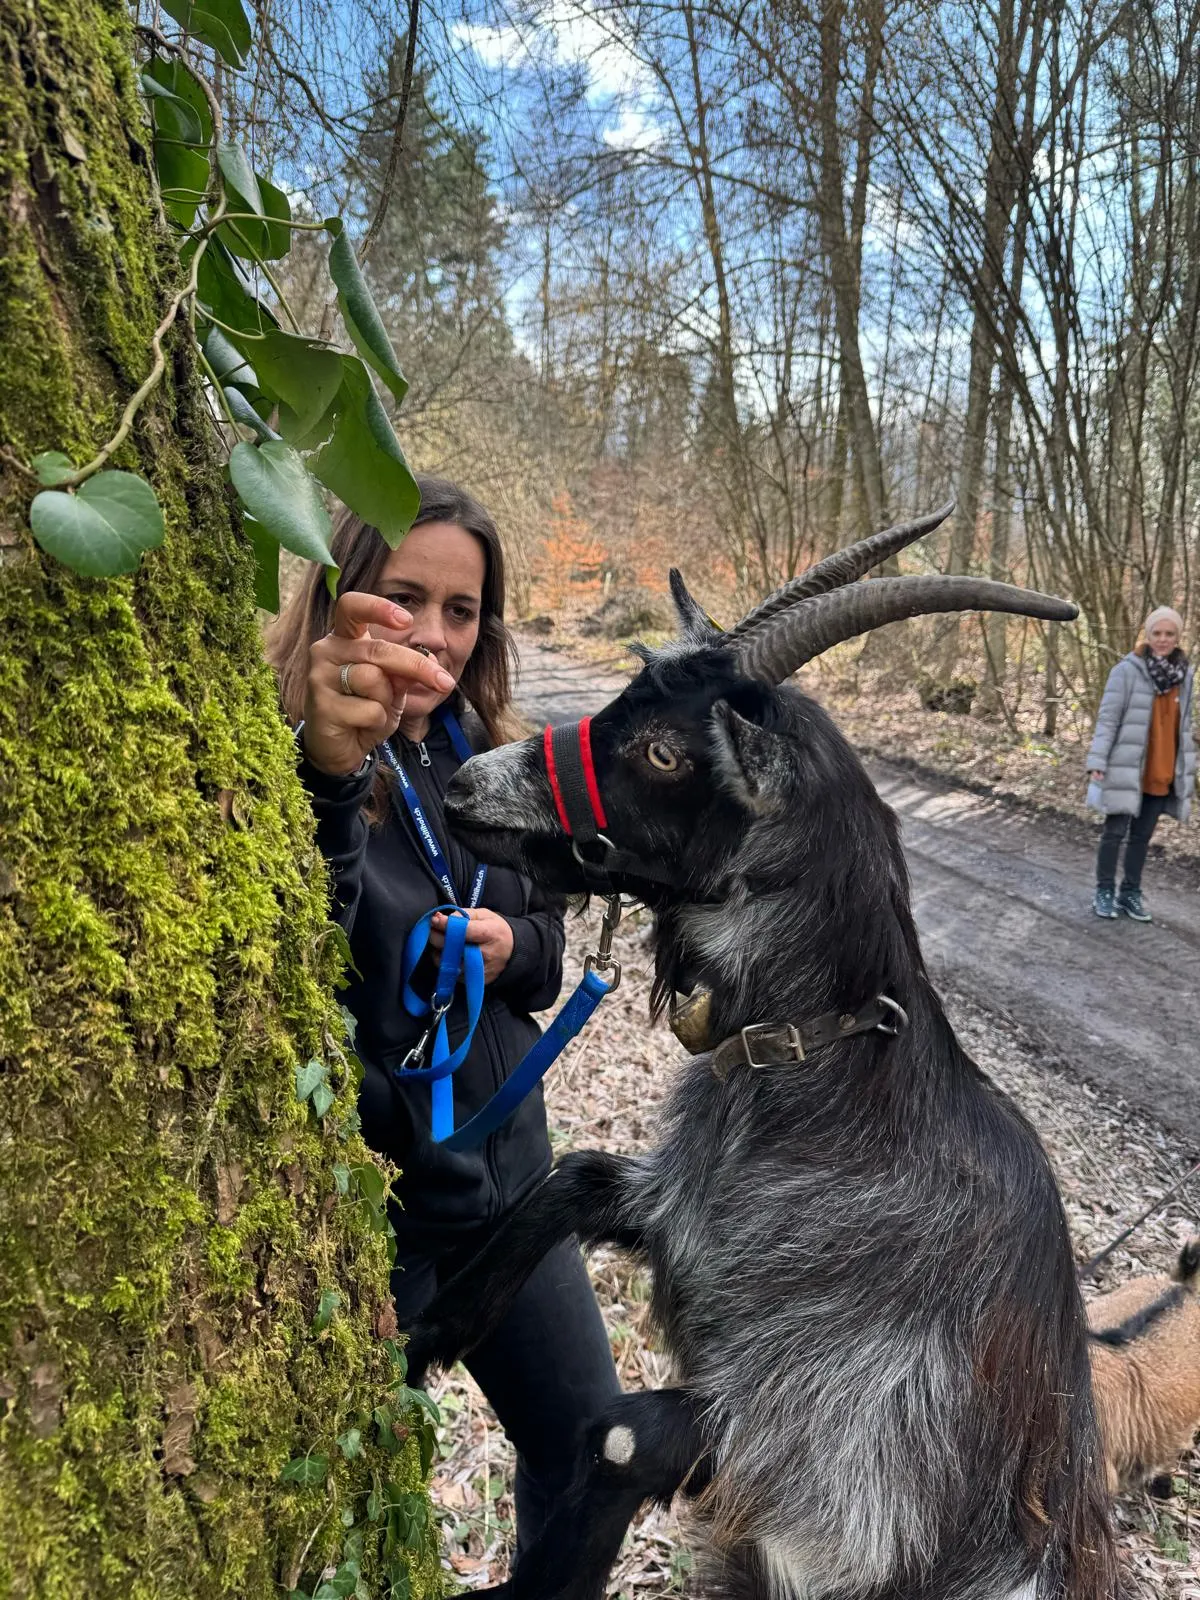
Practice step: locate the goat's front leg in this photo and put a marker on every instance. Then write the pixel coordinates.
(644, 1447)
(589, 1194)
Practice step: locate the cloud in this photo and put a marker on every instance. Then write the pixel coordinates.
(633, 130)
(495, 47)
(573, 33)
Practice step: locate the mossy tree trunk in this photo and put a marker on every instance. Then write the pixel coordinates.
(170, 1214)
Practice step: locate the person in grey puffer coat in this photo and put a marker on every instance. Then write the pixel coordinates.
(1142, 763)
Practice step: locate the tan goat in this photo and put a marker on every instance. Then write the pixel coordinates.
(1145, 1348)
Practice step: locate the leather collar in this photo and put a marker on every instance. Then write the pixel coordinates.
(783, 1044)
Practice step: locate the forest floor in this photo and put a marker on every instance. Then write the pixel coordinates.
(992, 826)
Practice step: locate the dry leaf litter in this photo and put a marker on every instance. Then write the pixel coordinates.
(605, 1094)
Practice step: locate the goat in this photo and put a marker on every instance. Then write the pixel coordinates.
(1145, 1346)
(859, 1259)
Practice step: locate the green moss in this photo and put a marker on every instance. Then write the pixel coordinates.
(167, 1208)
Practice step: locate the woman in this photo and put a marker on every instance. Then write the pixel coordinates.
(1143, 760)
(372, 703)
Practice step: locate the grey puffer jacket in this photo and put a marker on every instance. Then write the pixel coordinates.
(1122, 734)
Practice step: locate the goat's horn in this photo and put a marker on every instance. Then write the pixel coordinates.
(781, 645)
(843, 567)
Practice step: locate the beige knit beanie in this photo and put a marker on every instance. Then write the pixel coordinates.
(1162, 614)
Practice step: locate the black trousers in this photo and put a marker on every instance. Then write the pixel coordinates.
(547, 1371)
(1140, 829)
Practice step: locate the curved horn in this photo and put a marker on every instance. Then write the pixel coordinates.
(844, 566)
(782, 644)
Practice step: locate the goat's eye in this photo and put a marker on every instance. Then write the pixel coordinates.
(662, 757)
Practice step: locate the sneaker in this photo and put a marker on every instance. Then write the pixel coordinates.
(1131, 903)
(1105, 903)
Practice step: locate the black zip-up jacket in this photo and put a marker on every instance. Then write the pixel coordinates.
(383, 884)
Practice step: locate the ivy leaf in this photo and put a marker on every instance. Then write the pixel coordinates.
(182, 132)
(266, 551)
(178, 79)
(172, 115)
(239, 175)
(362, 462)
(103, 528)
(229, 363)
(385, 1427)
(342, 945)
(350, 1444)
(308, 1077)
(362, 320)
(264, 240)
(304, 375)
(305, 1470)
(51, 468)
(341, 1585)
(219, 23)
(322, 1099)
(222, 290)
(423, 1401)
(341, 1176)
(277, 490)
(370, 1183)
(329, 1302)
(245, 413)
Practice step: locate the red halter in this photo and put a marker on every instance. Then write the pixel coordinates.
(572, 774)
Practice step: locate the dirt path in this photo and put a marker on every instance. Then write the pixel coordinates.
(1002, 900)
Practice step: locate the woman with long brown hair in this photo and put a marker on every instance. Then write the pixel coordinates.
(391, 685)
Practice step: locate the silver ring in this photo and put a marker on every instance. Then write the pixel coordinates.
(344, 679)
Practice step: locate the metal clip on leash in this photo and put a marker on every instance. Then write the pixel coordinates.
(601, 958)
(415, 1059)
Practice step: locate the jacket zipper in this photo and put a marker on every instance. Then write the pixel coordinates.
(423, 753)
(489, 1145)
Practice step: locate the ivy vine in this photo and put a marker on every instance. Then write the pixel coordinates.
(304, 414)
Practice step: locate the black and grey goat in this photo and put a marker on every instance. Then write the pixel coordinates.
(860, 1262)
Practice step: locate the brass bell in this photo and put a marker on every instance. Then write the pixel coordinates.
(689, 1018)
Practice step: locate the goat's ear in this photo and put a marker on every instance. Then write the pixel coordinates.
(752, 763)
(694, 621)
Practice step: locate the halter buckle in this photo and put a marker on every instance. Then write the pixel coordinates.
(775, 1036)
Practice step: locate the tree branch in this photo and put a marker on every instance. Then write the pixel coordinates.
(393, 166)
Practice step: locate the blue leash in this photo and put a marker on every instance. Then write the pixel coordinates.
(458, 958)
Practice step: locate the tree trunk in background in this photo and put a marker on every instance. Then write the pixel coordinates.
(727, 423)
(999, 195)
(169, 1215)
(843, 268)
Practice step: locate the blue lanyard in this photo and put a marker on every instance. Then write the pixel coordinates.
(459, 960)
(429, 839)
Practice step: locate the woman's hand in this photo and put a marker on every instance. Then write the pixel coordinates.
(489, 930)
(341, 729)
(1097, 773)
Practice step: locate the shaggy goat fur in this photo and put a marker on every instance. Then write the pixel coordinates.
(860, 1262)
(1145, 1345)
